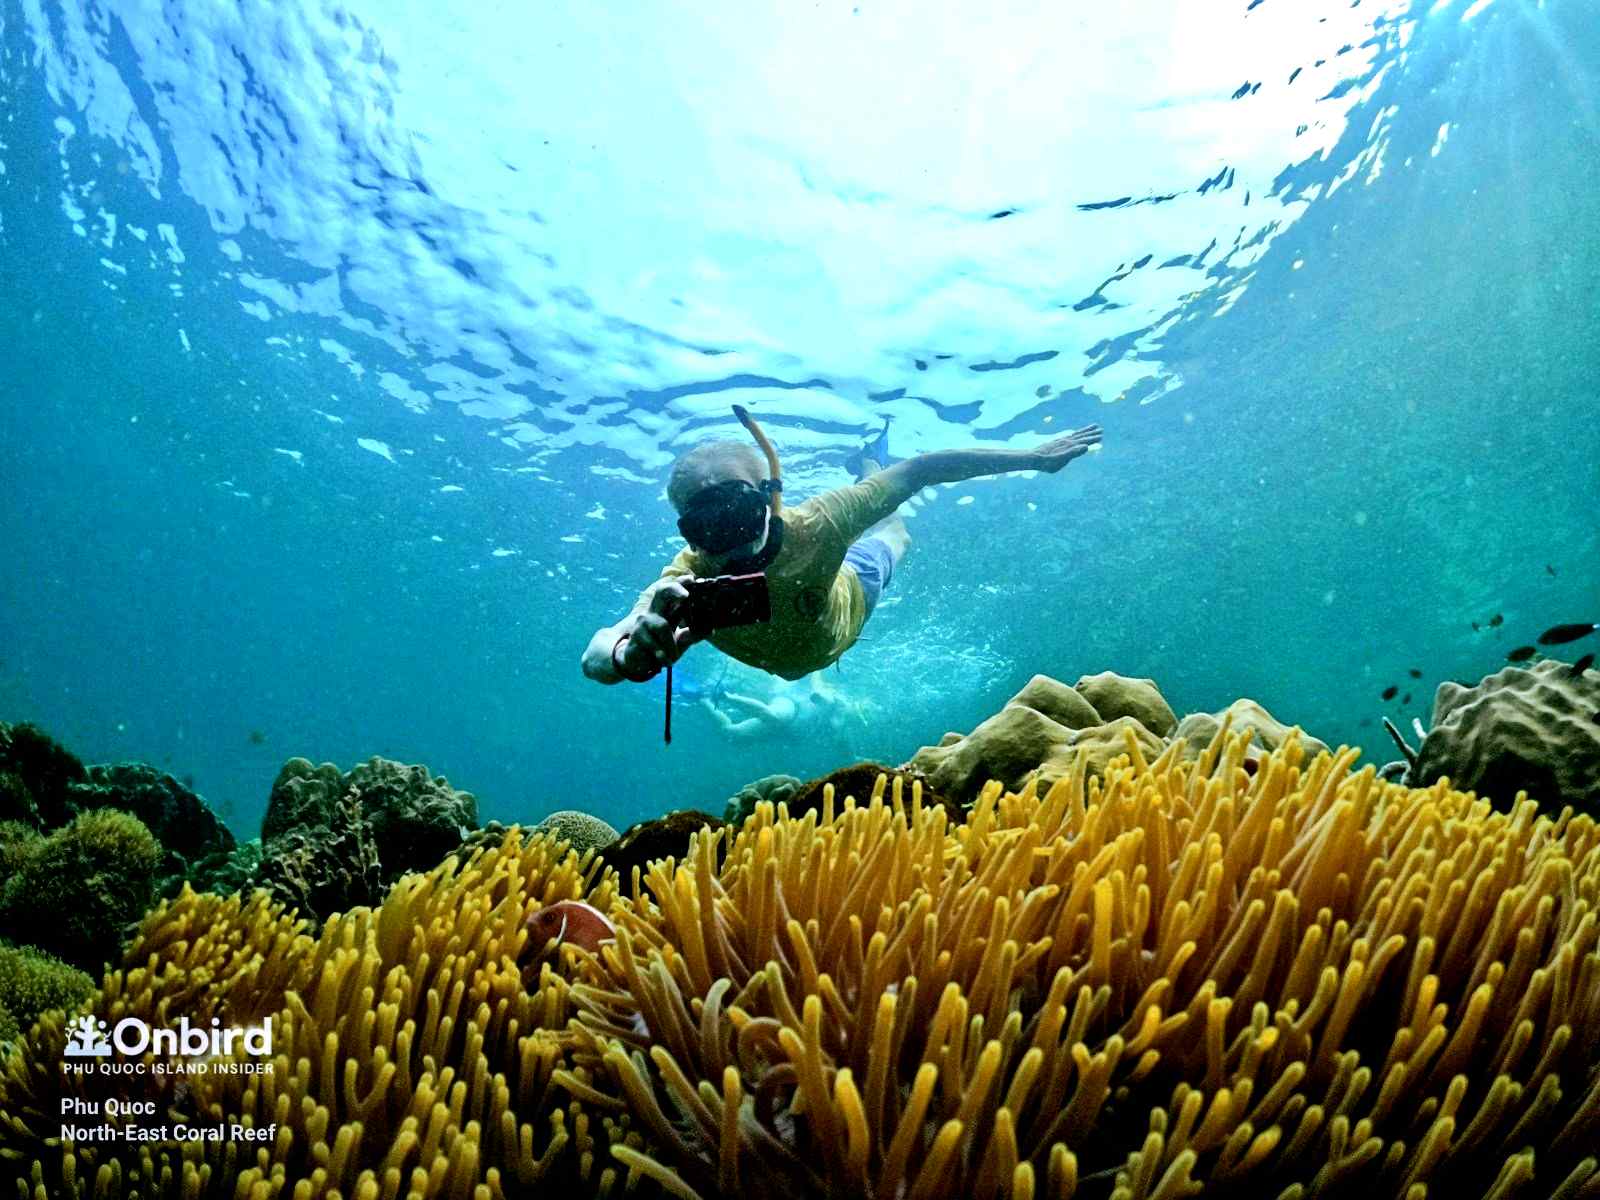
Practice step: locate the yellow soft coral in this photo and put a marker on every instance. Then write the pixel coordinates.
(1177, 979)
(1184, 979)
(407, 1058)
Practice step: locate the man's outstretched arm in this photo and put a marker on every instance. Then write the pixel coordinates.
(906, 479)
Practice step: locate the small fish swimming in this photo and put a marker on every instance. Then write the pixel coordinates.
(1522, 654)
(257, 738)
(1476, 628)
(1406, 699)
(1558, 635)
(1583, 664)
(1415, 674)
(1496, 621)
(1549, 569)
(1390, 692)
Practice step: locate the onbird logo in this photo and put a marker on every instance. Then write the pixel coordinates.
(89, 1039)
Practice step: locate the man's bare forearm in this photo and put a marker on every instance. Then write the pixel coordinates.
(952, 466)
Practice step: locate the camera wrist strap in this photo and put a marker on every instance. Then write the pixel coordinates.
(666, 730)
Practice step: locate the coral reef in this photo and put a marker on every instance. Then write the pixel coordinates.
(646, 841)
(578, 829)
(35, 772)
(323, 869)
(1525, 729)
(406, 1056)
(416, 817)
(1042, 730)
(1114, 696)
(1266, 732)
(860, 782)
(769, 787)
(1181, 979)
(189, 832)
(31, 983)
(77, 892)
(1174, 978)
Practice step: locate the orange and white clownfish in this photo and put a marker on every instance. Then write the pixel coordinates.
(567, 921)
(575, 922)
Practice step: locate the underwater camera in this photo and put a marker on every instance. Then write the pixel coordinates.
(724, 601)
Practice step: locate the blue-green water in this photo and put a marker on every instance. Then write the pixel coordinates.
(346, 347)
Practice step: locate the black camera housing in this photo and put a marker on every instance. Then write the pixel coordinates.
(724, 601)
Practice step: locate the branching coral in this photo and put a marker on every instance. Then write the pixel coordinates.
(1185, 978)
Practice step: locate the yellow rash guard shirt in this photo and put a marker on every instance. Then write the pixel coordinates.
(818, 607)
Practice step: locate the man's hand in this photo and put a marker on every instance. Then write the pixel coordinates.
(1058, 452)
(656, 637)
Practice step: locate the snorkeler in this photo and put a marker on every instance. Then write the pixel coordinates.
(822, 713)
(822, 565)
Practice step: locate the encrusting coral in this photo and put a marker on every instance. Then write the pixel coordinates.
(1180, 978)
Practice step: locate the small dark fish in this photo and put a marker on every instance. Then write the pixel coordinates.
(1390, 692)
(1549, 569)
(1415, 674)
(1406, 699)
(1557, 635)
(257, 738)
(1496, 621)
(1522, 654)
(1583, 664)
(1476, 628)
(188, 782)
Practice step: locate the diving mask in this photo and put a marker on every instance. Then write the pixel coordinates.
(726, 515)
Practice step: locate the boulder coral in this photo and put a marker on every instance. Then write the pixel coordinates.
(416, 816)
(78, 892)
(580, 830)
(1244, 715)
(1175, 979)
(742, 803)
(189, 832)
(1525, 729)
(32, 983)
(1042, 729)
(35, 773)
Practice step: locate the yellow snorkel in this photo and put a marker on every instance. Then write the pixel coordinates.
(775, 489)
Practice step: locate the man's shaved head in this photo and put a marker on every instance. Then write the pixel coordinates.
(713, 462)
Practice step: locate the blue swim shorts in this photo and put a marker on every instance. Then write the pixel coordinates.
(873, 563)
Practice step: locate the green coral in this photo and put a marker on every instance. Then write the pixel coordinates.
(44, 769)
(32, 982)
(578, 829)
(76, 892)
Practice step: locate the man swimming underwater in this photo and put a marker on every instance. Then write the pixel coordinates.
(826, 561)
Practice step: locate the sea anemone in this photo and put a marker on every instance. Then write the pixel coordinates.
(1178, 978)
(1186, 978)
